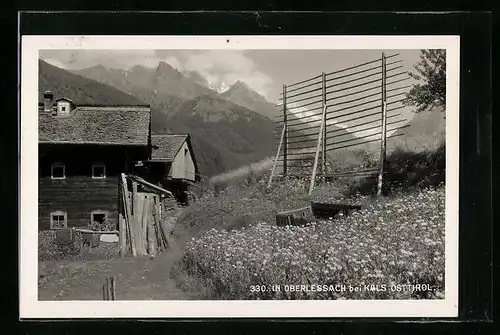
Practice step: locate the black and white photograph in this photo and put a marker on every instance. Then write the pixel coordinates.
(285, 175)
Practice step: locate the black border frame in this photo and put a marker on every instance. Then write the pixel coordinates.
(475, 212)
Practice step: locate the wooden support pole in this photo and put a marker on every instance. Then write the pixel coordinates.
(158, 206)
(285, 138)
(383, 132)
(155, 223)
(121, 220)
(137, 220)
(315, 166)
(142, 220)
(109, 289)
(277, 156)
(128, 215)
(105, 292)
(113, 288)
(152, 243)
(134, 197)
(122, 236)
(323, 145)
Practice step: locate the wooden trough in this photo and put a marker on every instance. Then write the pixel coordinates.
(294, 217)
(326, 210)
(303, 215)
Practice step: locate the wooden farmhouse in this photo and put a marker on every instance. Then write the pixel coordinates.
(84, 149)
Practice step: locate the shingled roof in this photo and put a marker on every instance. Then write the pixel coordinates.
(165, 147)
(113, 125)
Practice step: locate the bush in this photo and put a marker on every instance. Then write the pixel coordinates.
(102, 226)
(48, 250)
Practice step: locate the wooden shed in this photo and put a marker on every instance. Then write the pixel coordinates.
(176, 154)
(172, 164)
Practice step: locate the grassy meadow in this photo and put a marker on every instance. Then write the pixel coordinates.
(232, 244)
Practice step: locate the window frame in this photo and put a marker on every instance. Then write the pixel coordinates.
(58, 213)
(58, 164)
(104, 170)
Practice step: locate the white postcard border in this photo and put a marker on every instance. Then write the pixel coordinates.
(30, 307)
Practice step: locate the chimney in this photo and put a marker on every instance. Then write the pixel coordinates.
(48, 102)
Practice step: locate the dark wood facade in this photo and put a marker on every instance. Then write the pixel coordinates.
(79, 194)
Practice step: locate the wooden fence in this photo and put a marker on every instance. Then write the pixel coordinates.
(312, 107)
(141, 227)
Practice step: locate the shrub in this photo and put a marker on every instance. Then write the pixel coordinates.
(48, 250)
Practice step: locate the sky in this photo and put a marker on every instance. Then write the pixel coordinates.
(266, 71)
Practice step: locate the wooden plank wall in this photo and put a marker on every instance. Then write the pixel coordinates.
(78, 196)
(143, 224)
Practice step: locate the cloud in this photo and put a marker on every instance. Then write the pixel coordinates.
(224, 68)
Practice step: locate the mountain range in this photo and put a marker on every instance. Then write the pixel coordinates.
(159, 86)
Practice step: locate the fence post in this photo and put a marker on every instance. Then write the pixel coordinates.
(315, 166)
(109, 289)
(383, 132)
(285, 137)
(323, 169)
(276, 158)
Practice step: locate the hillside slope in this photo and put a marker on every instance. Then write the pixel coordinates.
(426, 131)
(227, 134)
(79, 89)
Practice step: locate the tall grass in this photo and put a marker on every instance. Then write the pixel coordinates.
(245, 175)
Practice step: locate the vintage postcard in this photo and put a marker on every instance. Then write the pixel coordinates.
(239, 176)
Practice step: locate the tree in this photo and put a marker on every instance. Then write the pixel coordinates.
(432, 71)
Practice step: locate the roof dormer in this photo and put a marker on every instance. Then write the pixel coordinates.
(64, 106)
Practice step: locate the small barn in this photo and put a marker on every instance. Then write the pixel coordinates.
(173, 164)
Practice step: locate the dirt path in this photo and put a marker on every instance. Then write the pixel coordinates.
(139, 278)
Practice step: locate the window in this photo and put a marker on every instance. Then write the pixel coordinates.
(98, 220)
(185, 152)
(98, 171)
(63, 108)
(58, 219)
(58, 171)
(98, 217)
